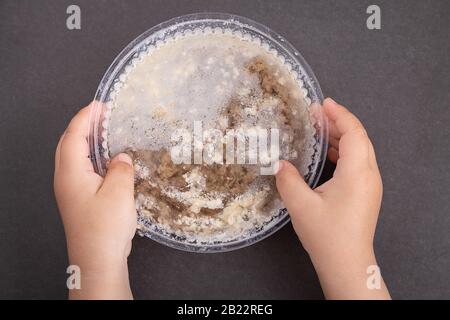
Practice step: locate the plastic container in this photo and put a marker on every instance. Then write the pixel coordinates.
(99, 145)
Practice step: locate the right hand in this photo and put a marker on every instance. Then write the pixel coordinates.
(336, 221)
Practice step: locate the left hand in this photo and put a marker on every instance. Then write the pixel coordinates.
(98, 214)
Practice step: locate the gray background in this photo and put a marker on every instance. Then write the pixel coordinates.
(395, 79)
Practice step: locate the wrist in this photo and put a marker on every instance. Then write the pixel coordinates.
(95, 255)
(346, 274)
(110, 283)
(97, 265)
(350, 256)
(103, 267)
(102, 275)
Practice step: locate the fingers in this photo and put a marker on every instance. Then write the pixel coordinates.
(294, 191)
(333, 142)
(333, 148)
(58, 152)
(72, 153)
(354, 147)
(119, 179)
(343, 119)
(332, 129)
(333, 154)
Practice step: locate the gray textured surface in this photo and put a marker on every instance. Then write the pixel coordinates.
(396, 80)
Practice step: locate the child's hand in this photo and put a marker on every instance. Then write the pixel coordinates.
(98, 213)
(336, 221)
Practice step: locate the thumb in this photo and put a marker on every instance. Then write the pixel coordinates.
(119, 179)
(294, 191)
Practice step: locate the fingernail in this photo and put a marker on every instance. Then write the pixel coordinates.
(332, 101)
(277, 167)
(123, 157)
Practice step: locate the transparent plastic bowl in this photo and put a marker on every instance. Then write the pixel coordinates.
(98, 149)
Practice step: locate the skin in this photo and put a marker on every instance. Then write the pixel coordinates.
(98, 214)
(335, 222)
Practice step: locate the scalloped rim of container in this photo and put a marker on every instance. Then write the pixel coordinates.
(309, 82)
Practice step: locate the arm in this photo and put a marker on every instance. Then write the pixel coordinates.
(336, 222)
(98, 214)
